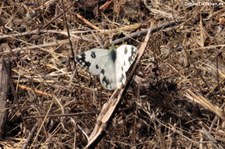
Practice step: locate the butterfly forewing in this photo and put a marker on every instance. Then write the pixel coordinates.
(92, 60)
(99, 61)
(125, 56)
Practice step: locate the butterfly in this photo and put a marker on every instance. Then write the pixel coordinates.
(111, 65)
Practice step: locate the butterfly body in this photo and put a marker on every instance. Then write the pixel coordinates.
(110, 65)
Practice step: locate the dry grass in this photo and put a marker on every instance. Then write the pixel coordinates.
(175, 101)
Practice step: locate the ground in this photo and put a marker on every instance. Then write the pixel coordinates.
(175, 98)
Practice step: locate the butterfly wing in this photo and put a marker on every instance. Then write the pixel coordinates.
(108, 73)
(111, 65)
(98, 61)
(116, 65)
(125, 56)
(92, 60)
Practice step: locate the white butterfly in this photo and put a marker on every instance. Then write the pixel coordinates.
(111, 65)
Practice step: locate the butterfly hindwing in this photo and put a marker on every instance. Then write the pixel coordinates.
(108, 75)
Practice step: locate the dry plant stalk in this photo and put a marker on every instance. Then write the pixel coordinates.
(205, 103)
(109, 108)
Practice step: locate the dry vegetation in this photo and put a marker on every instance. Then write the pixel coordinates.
(176, 98)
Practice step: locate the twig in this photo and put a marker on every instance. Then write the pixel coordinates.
(87, 22)
(142, 32)
(30, 136)
(61, 115)
(205, 103)
(35, 90)
(68, 32)
(4, 93)
(105, 6)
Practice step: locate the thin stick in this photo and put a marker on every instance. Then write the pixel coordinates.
(142, 32)
(87, 22)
